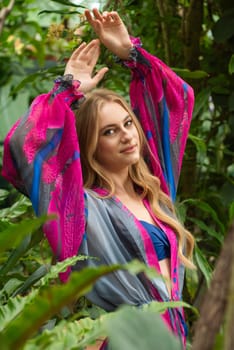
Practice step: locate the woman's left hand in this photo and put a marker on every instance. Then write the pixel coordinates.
(82, 63)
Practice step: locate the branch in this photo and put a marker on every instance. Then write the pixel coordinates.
(162, 8)
(192, 28)
(4, 13)
(229, 337)
(218, 300)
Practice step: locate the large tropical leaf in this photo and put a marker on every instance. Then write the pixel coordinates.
(132, 329)
(13, 308)
(13, 235)
(203, 264)
(47, 303)
(127, 328)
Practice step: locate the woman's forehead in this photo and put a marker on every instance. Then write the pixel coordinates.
(112, 113)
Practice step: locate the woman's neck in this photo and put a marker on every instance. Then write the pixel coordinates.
(124, 188)
(123, 184)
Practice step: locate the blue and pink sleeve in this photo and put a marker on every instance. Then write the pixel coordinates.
(163, 103)
(42, 160)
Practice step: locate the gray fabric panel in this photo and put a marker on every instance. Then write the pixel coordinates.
(112, 236)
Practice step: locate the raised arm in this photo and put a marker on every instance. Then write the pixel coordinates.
(42, 158)
(164, 104)
(162, 101)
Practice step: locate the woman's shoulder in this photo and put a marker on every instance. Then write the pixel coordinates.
(96, 195)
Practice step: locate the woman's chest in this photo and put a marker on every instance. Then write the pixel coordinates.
(137, 208)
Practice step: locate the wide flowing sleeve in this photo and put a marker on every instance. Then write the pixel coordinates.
(163, 102)
(42, 160)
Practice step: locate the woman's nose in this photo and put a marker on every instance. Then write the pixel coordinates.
(125, 135)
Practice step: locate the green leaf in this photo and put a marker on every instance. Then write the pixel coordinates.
(9, 238)
(13, 308)
(4, 225)
(139, 330)
(161, 307)
(224, 27)
(208, 209)
(9, 288)
(199, 143)
(32, 279)
(19, 208)
(231, 212)
(219, 341)
(191, 280)
(231, 65)
(231, 109)
(3, 194)
(201, 101)
(42, 74)
(135, 267)
(48, 302)
(15, 255)
(187, 74)
(55, 270)
(79, 334)
(207, 229)
(46, 273)
(68, 335)
(60, 12)
(29, 79)
(68, 3)
(203, 264)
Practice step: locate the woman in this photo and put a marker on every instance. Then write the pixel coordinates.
(113, 186)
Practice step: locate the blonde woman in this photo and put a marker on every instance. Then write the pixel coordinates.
(110, 174)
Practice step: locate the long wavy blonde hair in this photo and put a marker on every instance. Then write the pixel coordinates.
(87, 124)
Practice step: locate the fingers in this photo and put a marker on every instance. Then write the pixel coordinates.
(94, 18)
(88, 16)
(111, 17)
(97, 14)
(97, 17)
(77, 51)
(92, 55)
(115, 16)
(92, 45)
(86, 49)
(99, 75)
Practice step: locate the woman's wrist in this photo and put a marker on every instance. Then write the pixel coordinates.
(129, 53)
(124, 53)
(69, 88)
(131, 58)
(67, 81)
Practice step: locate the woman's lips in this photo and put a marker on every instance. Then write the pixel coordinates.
(129, 149)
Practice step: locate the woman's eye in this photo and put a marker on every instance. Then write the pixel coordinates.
(128, 122)
(108, 132)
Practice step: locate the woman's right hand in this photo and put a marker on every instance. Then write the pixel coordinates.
(111, 31)
(81, 65)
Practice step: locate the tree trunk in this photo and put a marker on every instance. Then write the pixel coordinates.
(192, 27)
(229, 336)
(191, 34)
(163, 10)
(4, 13)
(218, 301)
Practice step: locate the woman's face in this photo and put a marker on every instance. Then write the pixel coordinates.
(118, 142)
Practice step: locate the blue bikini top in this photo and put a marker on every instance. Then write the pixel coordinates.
(159, 239)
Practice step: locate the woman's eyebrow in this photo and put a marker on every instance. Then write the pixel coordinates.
(111, 125)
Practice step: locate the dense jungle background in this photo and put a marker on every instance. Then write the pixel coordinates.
(196, 39)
